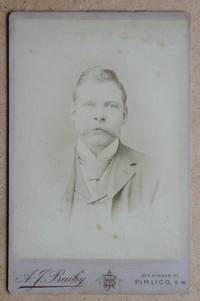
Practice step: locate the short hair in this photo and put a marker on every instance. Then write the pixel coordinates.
(100, 74)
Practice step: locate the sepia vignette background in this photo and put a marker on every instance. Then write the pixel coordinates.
(191, 6)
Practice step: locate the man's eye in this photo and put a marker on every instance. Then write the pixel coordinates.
(111, 105)
(89, 104)
(114, 105)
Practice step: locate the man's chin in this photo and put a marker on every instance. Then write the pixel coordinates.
(100, 140)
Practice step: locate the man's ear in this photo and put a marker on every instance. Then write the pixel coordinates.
(72, 111)
(125, 114)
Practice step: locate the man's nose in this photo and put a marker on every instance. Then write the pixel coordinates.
(99, 115)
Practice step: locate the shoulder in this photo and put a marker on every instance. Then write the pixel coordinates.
(145, 165)
(135, 155)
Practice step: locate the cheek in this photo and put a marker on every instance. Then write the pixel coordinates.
(83, 113)
(115, 120)
(81, 121)
(80, 115)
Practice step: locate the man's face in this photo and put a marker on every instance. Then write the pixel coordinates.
(99, 112)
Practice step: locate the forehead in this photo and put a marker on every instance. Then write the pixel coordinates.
(99, 90)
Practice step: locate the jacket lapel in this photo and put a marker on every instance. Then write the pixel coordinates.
(124, 169)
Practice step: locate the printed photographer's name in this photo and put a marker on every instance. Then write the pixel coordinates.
(48, 278)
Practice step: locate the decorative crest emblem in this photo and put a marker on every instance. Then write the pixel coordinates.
(109, 280)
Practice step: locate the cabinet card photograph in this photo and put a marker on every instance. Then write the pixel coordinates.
(99, 152)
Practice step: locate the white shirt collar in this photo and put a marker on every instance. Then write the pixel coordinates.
(94, 167)
(105, 155)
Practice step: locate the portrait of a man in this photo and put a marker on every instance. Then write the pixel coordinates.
(98, 129)
(108, 179)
